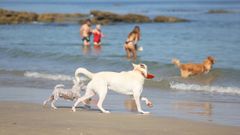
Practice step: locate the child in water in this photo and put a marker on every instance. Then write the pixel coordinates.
(97, 35)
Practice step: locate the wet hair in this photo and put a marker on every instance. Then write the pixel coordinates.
(98, 26)
(136, 30)
(211, 59)
(87, 20)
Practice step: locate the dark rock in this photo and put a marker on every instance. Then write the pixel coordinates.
(169, 19)
(60, 18)
(136, 18)
(14, 17)
(219, 11)
(102, 17)
(99, 17)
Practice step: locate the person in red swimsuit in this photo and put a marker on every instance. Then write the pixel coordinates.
(97, 35)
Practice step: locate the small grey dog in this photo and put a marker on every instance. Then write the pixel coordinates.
(67, 94)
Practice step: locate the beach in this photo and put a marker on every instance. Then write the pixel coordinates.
(28, 118)
(38, 54)
(165, 105)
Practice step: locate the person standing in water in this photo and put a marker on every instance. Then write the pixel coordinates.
(130, 45)
(97, 35)
(85, 32)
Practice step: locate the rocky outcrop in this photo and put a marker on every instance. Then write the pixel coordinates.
(108, 17)
(219, 11)
(136, 18)
(13, 17)
(168, 19)
(98, 17)
(102, 17)
(60, 18)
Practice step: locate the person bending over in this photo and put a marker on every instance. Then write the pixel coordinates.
(130, 45)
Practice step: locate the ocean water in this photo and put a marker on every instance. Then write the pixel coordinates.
(43, 55)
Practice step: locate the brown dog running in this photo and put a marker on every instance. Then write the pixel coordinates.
(194, 69)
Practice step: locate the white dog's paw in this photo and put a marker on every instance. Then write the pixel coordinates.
(106, 111)
(55, 108)
(143, 112)
(73, 109)
(44, 103)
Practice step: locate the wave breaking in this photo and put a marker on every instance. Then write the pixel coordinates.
(55, 77)
(207, 88)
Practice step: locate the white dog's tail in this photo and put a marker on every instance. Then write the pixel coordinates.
(176, 62)
(84, 72)
(59, 86)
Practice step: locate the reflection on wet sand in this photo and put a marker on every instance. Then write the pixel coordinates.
(195, 108)
(130, 105)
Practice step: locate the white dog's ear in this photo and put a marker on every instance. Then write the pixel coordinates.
(134, 65)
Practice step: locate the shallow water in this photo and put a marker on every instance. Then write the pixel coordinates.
(43, 55)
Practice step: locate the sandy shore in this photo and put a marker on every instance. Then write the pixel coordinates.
(25, 118)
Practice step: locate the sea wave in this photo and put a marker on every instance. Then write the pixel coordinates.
(20, 53)
(165, 83)
(207, 88)
(55, 77)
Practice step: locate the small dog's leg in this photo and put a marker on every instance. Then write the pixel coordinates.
(86, 103)
(87, 95)
(52, 104)
(45, 102)
(48, 100)
(137, 100)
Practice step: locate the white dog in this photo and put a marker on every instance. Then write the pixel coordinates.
(129, 83)
(67, 94)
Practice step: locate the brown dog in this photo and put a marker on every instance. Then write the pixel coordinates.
(194, 69)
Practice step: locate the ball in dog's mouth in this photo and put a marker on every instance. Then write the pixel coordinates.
(150, 76)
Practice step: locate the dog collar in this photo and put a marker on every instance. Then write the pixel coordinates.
(149, 76)
(140, 72)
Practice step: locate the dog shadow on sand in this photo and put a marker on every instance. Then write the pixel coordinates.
(80, 108)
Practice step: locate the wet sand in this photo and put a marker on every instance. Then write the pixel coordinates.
(25, 118)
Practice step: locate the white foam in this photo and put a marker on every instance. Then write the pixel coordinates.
(195, 87)
(140, 49)
(48, 76)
